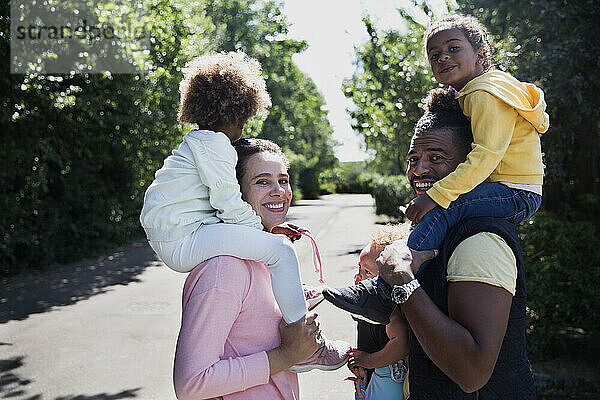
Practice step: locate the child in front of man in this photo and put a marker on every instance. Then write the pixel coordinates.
(381, 350)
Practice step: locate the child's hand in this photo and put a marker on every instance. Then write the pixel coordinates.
(418, 207)
(359, 358)
(358, 372)
(290, 231)
(357, 380)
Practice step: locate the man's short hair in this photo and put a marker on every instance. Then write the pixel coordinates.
(442, 111)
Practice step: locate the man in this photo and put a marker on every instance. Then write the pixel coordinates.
(466, 308)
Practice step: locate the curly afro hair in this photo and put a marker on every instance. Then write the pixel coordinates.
(222, 89)
(442, 111)
(473, 30)
(388, 234)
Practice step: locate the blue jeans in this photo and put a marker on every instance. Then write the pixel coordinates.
(488, 199)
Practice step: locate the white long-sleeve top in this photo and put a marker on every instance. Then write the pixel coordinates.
(196, 185)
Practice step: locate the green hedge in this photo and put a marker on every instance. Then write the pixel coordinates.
(390, 192)
(562, 261)
(73, 178)
(350, 177)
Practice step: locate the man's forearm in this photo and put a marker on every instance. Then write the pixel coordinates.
(450, 346)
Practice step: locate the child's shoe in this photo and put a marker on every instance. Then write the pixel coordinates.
(364, 301)
(313, 296)
(330, 356)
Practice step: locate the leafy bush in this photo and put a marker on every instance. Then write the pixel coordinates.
(562, 261)
(346, 178)
(79, 150)
(390, 192)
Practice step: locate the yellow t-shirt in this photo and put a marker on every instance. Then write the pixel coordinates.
(484, 257)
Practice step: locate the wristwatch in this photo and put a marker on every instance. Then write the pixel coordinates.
(401, 293)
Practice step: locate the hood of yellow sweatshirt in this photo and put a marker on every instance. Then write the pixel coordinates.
(524, 97)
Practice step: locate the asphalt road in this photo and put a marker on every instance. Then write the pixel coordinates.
(107, 328)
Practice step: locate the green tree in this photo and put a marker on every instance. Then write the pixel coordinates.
(80, 149)
(391, 80)
(297, 120)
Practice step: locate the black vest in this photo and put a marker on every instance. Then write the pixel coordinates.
(512, 378)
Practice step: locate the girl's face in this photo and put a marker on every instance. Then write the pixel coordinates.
(266, 187)
(452, 58)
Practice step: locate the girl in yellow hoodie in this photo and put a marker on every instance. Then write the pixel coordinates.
(502, 175)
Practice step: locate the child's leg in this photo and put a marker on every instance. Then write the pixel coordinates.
(485, 200)
(251, 244)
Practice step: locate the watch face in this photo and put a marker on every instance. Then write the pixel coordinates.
(399, 294)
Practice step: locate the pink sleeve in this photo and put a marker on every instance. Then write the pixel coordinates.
(199, 371)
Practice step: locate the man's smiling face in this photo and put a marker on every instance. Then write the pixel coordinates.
(432, 155)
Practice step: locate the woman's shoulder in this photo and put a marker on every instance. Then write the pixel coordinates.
(222, 273)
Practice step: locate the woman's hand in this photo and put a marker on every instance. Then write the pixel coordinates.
(418, 207)
(359, 358)
(299, 341)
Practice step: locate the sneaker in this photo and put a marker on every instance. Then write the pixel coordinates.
(330, 356)
(362, 301)
(313, 296)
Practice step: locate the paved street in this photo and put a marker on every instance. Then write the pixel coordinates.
(106, 328)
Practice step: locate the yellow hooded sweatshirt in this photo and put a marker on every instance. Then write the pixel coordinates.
(506, 116)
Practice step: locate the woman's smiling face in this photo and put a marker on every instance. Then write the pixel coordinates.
(266, 187)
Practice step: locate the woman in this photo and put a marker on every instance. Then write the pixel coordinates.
(233, 343)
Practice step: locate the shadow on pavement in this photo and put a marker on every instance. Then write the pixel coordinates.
(125, 394)
(14, 386)
(11, 384)
(24, 295)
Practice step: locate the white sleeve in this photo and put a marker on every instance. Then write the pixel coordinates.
(215, 161)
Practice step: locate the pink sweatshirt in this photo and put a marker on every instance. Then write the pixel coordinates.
(230, 319)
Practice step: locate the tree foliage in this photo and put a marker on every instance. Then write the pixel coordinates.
(391, 79)
(79, 150)
(297, 120)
